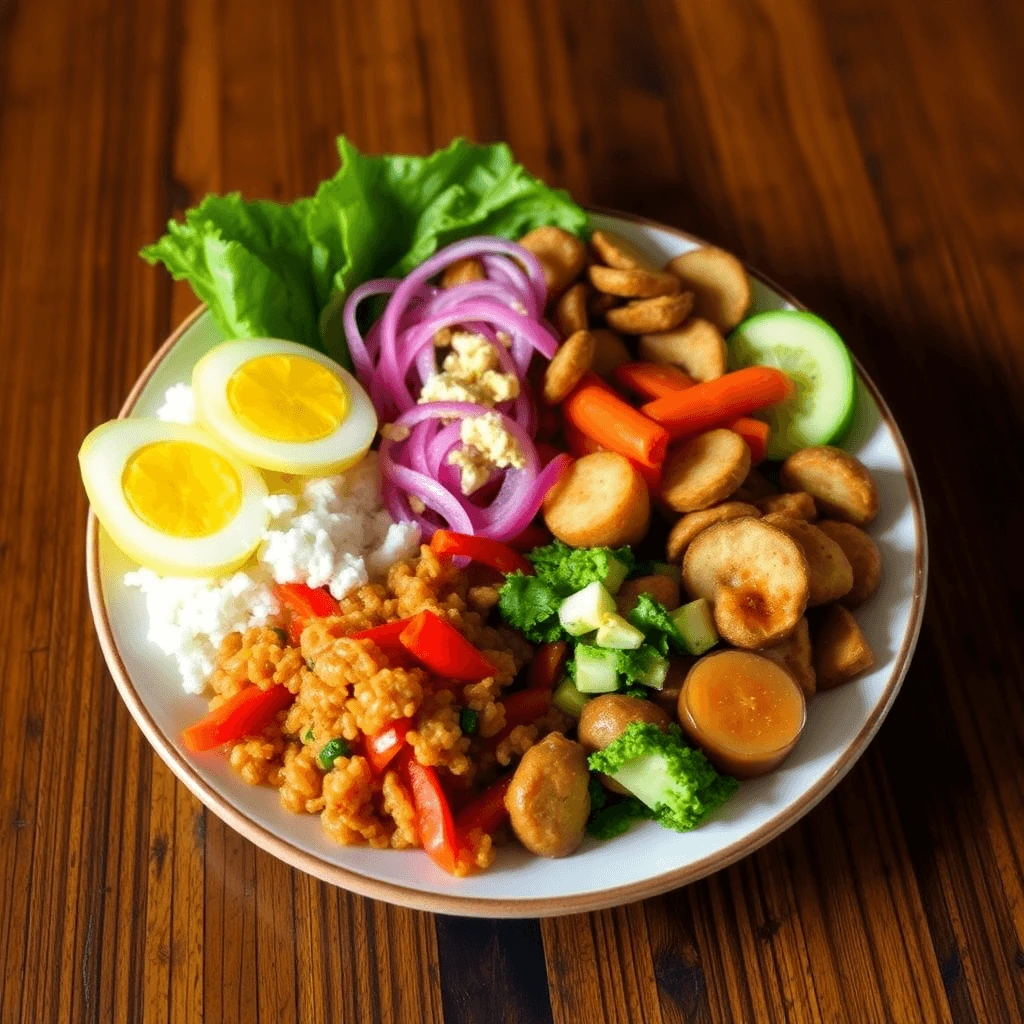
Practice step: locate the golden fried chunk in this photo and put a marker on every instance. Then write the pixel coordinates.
(647, 316)
(696, 347)
(841, 650)
(574, 358)
(796, 505)
(841, 485)
(560, 254)
(692, 523)
(864, 558)
(829, 573)
(795, 656)
(704, 470)
(719, 282)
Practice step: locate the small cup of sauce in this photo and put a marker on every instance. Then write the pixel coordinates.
(745, 712)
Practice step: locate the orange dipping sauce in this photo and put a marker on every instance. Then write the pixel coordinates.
(744, 711)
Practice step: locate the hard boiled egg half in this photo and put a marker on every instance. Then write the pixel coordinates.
(172, 497)
(282, 406)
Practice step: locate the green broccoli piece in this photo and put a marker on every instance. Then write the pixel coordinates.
(610, 820)
(676, 781)
(651, 617)
(530, 605)
(568, 569)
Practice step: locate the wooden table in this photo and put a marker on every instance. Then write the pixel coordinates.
(867, 154)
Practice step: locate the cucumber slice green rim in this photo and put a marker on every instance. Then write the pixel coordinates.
(816, 358)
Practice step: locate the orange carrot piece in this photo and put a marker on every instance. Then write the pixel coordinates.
(651, 380)
(598, 412)
(755, 433)
(719, 401)
(581, 444)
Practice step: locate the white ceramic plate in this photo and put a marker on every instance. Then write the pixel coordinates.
(648, 859)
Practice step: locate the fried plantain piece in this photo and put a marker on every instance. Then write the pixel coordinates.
(560, 254)
(754, 575)
(697, 347)
(463, 272)
(841, 650)
(841, 485)
(648, 316)
(574, 358)
(796, 505)
(619, 252)
(685, 529)
(829, 571)
(570, 313)
(704, 470)
(863, 555)
(632, 284)
(718, 280)
(795, 656)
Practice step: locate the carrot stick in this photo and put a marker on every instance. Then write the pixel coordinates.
(718, 401)
(581, 444)
(755, 433)
(598, 412)
(651, 380)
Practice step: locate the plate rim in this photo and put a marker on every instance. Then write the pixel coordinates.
(548, 906)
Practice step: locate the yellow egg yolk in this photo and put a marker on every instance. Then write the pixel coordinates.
(287, 398)
(181, 488)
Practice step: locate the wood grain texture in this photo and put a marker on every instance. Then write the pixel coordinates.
(867, 155)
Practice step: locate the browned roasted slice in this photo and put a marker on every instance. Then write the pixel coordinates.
(797, 505)
(560, 254)
(863, 555)
(697, 347)
(647, 316)
(692, 523)
(600, 501)
(840, 484)
(719, 282)
(841, 650)
(568, 365)
(829, 573)
(462, 272)
(704, 470)
(570, 313)
(632, 284)
(755, 577)
(619, 252)
(795, 656)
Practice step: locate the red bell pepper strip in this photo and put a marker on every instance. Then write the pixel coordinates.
(245, 714)
(307, 603)
(295, 628)
(383, 746)
(386, 637)
(443, 649)
(448, 544)
(434, 820)
(547, 664)
(535, 535)
(522, 708)
(485, 811)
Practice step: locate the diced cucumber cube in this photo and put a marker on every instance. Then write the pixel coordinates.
(617, 573)
(568, 699)
(582, 612)
(596, 669)
(654, 670)
(697, 626)
(617, 633)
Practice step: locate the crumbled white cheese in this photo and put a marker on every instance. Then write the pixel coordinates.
(471, 372)
(190, 617)
(179, 405)
(335, 532)
(487, 445)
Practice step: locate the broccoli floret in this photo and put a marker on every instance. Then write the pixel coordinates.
(531, 606)
(676, 781)
(568, 569)
(610, 820)
(651, 617)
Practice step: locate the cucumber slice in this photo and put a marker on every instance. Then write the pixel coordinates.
(617, 573)
(583, 611)
(655, 669)
(617, 633)
(568, 699)
(812, 353)
(697, 626)
(596, 670)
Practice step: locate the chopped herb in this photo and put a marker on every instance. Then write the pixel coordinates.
(308, 736)
(468, 721)
(331, 751)
(281, 635)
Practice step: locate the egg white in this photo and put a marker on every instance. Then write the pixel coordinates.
(102, 458)
(342, 448)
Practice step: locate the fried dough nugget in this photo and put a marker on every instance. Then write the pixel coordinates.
(574, 358)
(755, 577)
(697, 347)
(463, 272)
(756, 486)
(601, 501)
(718, 280)
(632, 284)
(863, 555)
(648, 316)
(797, 505)
(570, 313)
(609, 351)
(619, 252)
(560, 254)
(840, 484)
(704, 470)
(682, 533)
(795, 656)
(841, 650)
(829, 571)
